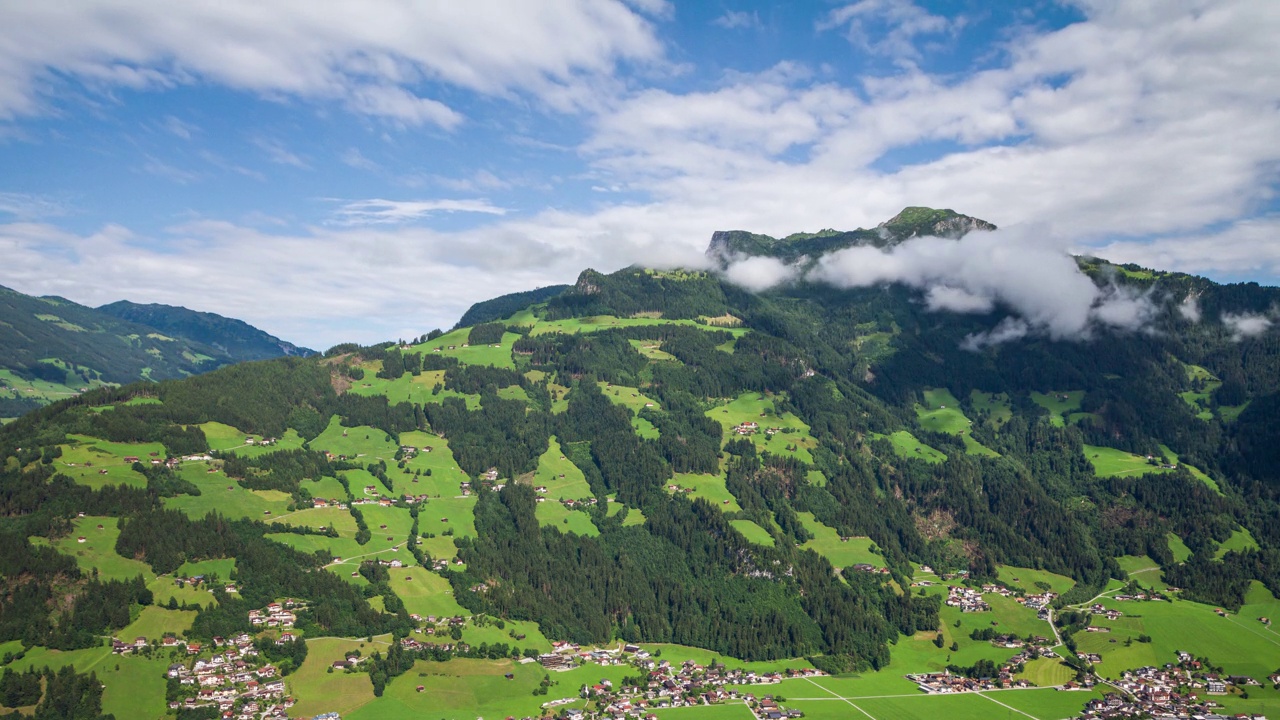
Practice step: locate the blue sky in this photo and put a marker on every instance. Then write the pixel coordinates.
(332, 172)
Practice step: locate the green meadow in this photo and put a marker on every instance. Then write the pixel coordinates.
(1034, 581)
(1239, 541)
(221, 494)
(1109, 462)
(459, 688)
(131, 685)
(554, 514)
(454, 344)
(1238, 642)
(418, 388)
(98, 551)
(153, 622)
(559, 475)
(941, 413)
(793, 440)
(709, 487)
(753, 532)
(363, 444)
(1195, 472)
(425, 593)
(996, 406)
(85, 458)
(906, 445)
(1059, 403)
(841, 554)
(318, 690)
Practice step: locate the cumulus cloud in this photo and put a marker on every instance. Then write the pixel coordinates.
(738, 19)
(555, 50)
(1246, 325)
(377, 211)
(957, 300)
(1189, 309)
(1008, 330)
(760, 273)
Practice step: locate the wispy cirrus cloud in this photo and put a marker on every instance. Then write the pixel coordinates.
(377, 211)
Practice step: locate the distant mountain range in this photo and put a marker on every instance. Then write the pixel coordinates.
(51, 347)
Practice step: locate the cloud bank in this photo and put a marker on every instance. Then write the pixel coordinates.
(1022, 270)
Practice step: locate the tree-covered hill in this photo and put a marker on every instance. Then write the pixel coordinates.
(660, 456)
(51, 347)
(237, 338)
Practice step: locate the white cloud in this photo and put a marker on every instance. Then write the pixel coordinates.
(738, 19)
(279, 154)
(888, 27)
(26, 206)
(1008, 330)
(1246, 325)
(1189, 309)
(356, 159)
(957, 300)
(760, 273)
(1021, 269)
(377, 211)
(370, 59)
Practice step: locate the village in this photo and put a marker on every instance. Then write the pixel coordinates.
(664, 684)
(1172, 691)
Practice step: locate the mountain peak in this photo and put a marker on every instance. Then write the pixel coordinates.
(910, 222)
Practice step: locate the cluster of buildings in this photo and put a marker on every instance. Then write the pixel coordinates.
(1172, 691)
(945, 682)
(275, 615)
(668, 685)
(967, 599)
(1099, 609)
(234, 681)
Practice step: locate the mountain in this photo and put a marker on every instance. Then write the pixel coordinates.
(507, 305)
(911, 222)
(811, 479)
(235, 338)
(51, 347)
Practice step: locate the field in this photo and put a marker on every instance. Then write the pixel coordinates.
(634, 516)
(1059, 403)
(1237, 642)
(754, 407)
(341, 520)
(635, 401)
(325, 487)
(709, 487)
(941, 413)
(98, 551)
(651, 349)
(1195, 472)
(1240, 540)
(553, 514)
(320, 691)
(996, 405)
(425, 593)
(893, 698)
(132, 688)
(573, 326)
(1109, 462)
(459, 688)
(906, 445)
(498, 355)
(385, 541)
(1179, 549)
(559, 475)
(222, 568)
(229, 439)
(1033, 581)
(826, 542)
(363, 443)
(753, 532)
(84, 458)
(221, 494)
(13, 386)
(153, 622)
(437, 516)
(418, 388)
